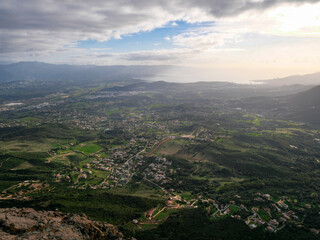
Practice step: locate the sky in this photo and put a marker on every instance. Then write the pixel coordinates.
(216, 40)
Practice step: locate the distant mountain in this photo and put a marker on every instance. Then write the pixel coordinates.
(309, 79)
(305, 106)
(163, 86)
(37, 71)
(27, 80)
(211, 90)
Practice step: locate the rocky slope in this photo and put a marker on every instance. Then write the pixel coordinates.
(27, 223)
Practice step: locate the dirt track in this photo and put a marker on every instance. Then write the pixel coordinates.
(153, 150)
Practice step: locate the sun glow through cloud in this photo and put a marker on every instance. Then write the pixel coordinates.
(303, 20)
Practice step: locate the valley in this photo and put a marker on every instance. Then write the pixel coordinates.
(141, 157)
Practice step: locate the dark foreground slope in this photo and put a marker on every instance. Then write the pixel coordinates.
(300, 107)
(193, 224)
(305, 106)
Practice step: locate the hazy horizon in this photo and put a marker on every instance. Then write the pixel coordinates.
(182, 74)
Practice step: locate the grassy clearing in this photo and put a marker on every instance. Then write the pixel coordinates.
(264, 215)
(169, 148)
(25, 146)
(63, 158)
(187, 196)
(257, 122)
(88, 148)
(234, 209)
(100, 174)
(24, 165)
(164, 214)
(139, 190)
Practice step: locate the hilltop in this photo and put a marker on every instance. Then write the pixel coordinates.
(27, 223)
(305, 105)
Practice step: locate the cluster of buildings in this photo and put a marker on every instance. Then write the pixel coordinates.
(206, 135)
(276, 221)
(113, 94)
(157, 171)
(59, 177)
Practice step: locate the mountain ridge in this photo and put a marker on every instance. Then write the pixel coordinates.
(306, 79)
(24, 71)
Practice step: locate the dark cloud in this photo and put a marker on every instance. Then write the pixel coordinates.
(97, 15)
(220, 8)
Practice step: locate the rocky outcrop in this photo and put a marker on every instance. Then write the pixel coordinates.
(27, 223)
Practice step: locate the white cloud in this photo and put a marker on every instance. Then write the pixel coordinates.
(245, 33)
(24, 22)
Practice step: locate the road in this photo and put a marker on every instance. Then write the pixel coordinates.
(3, 162)
(155, 184)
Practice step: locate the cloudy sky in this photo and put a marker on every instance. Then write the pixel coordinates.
(233, 40)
